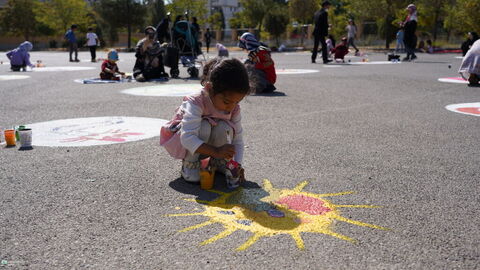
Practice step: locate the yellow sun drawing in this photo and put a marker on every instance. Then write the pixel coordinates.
(270, 211)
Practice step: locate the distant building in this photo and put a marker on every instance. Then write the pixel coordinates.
(228, 7)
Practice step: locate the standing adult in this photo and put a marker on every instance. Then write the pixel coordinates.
(410, 27)
(351, 34)
(320, 32)
(72, 42)
(92, 43)
(208, 38)
(163, 31)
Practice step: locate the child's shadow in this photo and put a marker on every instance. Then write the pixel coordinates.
(273, 94)
(182, 186)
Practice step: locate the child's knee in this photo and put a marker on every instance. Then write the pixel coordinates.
(205, 130)
(222, 133)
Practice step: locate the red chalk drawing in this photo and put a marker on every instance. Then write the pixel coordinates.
(110, 136)
(472, 110)
(306, 204)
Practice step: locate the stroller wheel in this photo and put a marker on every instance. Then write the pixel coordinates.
(193, 71)
(174, 73)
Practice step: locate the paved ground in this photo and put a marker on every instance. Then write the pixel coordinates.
(380, 131)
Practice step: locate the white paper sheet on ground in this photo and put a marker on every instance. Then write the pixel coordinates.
(453, 80)
(66, 68)
(94, 131)
(13, 77)
(375, 63)
(165, 90)
(294, 71)
(97, 81)
(465, 108)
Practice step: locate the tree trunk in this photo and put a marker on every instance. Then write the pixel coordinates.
(129, 26)
(435, 23)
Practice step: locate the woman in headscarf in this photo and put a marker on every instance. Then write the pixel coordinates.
(259, 64)
(409, 38)
(470, 68)
(19, 57)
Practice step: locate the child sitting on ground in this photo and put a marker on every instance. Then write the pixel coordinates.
(341, 50)
(20, 58)
(110, 68)
(208, 124)
(259, 63)
(222, 50)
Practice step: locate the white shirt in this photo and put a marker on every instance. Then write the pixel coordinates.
(351, 31)
(92, 39)
(191, 122)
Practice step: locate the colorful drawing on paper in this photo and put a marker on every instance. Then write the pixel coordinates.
(453, 80)
(13, 77)
(66, 68)
(94, 131)
(465, 108)
(268, 211)
(375, 63)
(288, 71)
(165, 90)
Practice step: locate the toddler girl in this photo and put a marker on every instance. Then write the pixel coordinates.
(208, 124)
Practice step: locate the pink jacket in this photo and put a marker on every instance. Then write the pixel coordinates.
(170, 132)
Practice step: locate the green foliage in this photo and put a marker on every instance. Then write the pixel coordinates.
(254, 11)
(155, 11)
(59, 15)
(276, 22)
(12, 18)
(303, 10)
(462, 16)
(195, 8)
(216, 21)
(119, 14)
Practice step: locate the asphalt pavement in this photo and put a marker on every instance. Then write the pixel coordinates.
(355, 166)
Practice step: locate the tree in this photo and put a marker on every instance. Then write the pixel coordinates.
(195, 8)
(303, 10)
(156, 11)
(276, 22)
(116, 14)
(59, 15)
(254, 11)
(13, 18)
(463, 16)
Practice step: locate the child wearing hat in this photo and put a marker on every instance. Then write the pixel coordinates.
(20, 58)
(110, 68)
(341, 50)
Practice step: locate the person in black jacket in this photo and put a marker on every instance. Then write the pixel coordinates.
(410, 27)
(472, 37)
(149, 60)
(163, 31)
(320, 32)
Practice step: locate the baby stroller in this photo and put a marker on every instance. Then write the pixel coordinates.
(184, 39)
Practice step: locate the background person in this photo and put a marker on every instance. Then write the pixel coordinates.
(320, 32)
(20, 58)
(470, 68)
(72, 42)
(149, 60)
(260, 63)
(208, 38)
(410, 27)
(351, 34)
(472, 37)
(92, 43)
(109, 67)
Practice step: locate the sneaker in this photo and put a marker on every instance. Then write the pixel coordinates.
(328, 61)
(413, 57)
(140, 78)
(269, 89)
(76, 60)
(406, 59)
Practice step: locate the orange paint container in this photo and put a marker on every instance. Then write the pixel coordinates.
(10, 137)
(207, 179)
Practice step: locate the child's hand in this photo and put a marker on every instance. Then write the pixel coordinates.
(226, 151)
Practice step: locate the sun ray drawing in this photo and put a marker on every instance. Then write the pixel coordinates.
(268, 211)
